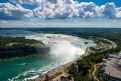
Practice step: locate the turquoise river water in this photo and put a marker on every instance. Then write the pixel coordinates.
(64, 48)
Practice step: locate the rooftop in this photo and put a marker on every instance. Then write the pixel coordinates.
(112, 69)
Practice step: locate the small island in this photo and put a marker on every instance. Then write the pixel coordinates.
(16, 47)
(85, 42)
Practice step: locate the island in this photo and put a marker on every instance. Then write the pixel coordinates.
(16, 47)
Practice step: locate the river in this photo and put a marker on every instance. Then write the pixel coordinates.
(64, 48)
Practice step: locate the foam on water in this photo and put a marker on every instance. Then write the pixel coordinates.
(64, 48)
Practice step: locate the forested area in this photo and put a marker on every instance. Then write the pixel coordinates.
(20, 47)
(86, 63)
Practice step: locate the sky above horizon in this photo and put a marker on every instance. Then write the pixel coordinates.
(60, 13)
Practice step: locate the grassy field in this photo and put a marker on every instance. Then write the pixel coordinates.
(38, 45)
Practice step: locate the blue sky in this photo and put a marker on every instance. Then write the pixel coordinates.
(102, 2)
(43, 11)
(98, 2)
(47, 8)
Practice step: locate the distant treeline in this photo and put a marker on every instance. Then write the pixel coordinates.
(111, 34)
(19, 47)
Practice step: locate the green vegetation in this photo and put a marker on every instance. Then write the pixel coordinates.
(86, 42)
(20, 47)
(57, 74)
(98, 74)
(91, 69)
(38, 45)
(102, 43)
(85, 65)
(66, 70)
(105, 41)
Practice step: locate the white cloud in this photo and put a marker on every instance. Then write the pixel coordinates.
(9, 11)
(26, 1)
(70, 8)
(118, 15)
(58, 9)
(109, 10)
(89, 14)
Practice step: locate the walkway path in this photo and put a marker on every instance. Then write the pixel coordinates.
(55, 79)
(114, 45)
(94, 72)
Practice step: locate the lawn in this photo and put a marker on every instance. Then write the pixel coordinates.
(38, 45)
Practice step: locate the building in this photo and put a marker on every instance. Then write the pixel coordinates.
(111, 69)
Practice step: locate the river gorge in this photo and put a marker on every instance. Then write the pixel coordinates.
(63, 49)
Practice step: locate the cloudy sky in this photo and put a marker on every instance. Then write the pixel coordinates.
(60, 13)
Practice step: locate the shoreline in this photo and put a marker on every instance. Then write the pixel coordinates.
(57, 69)
(50, 72)
(29, 56)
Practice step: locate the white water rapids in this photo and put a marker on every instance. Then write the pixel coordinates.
(64, 48)
(63, 45)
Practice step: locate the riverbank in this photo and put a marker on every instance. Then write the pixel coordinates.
(60, 68)
(98, 66)
(29, 56)
(12, 48)
(28, 67)
(87, 63)
(52, 72)
(36, 66)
